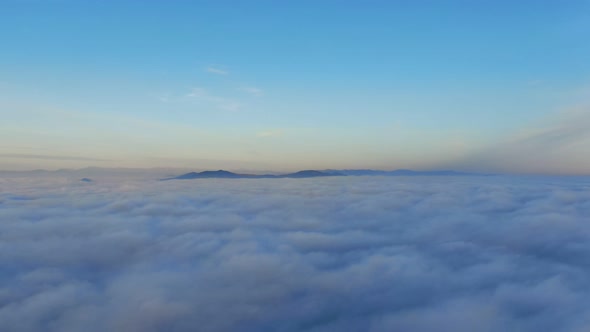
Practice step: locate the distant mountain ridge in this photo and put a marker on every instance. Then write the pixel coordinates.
(404, 172)
(223, 174)
(220, 174)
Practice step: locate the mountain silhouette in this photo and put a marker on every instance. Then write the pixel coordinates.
(223, 174)
(402, 172)
(309, 174)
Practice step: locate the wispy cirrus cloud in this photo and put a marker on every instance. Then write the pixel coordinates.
(541, 149)
(254, 91)
(217, 70)
(165, 98)
(202, 95)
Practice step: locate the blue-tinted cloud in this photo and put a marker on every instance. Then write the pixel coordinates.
(334, 254)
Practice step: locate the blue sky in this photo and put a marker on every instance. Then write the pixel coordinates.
(474, 85)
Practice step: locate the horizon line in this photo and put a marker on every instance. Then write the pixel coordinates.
(287, 172)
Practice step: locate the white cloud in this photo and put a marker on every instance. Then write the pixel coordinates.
(217, 71)
(331, 254)
(164, 98)
(222, 103)
(253, 91)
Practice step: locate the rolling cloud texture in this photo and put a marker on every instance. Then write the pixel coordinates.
(329, 254)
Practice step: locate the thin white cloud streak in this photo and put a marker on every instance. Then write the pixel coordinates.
(557, 147)
(217, 71)
(254, 91)
(202, 95)
(337, 254)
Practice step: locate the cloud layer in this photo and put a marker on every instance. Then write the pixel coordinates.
(331, 254)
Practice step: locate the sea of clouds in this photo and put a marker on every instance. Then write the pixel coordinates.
(329, 254)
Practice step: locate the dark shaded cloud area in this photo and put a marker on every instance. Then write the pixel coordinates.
(331, 254)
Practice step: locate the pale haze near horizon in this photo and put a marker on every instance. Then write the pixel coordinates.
(486, 87)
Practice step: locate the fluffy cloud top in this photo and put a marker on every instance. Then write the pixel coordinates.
(330, 254)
